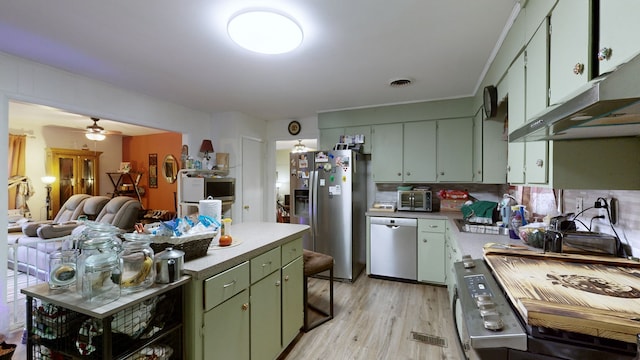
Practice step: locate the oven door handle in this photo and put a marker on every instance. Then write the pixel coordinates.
(454, 301)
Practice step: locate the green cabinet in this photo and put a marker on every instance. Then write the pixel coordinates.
(387, 156)
(329, 138)
(619, 29)
(453, 255)
(230, 341)
(477, 146)
(266, 317)
(292, 303)
(454, 150)
(570, 62)
(431, 251)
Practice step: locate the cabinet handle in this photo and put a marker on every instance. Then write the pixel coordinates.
(229, 284)
(278, 283)
(604, 54)
(433, 226)
(509, 168)
(408, 173)
(244, 307)
(539, 163)
(286, 278)
(246, 207)
(441, 172)
(424, 240)
(399, 174)
(266, 264)
(578, 69)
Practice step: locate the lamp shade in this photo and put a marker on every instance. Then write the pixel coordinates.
(206, 147)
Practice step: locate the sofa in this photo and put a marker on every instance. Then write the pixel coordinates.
(29, 252)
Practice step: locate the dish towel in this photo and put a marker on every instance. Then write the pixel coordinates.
(482, 209)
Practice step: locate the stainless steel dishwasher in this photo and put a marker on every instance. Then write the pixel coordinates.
(393, 246)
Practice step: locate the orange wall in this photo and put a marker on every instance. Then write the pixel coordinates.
(136, 150)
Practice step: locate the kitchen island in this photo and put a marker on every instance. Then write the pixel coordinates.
(245, 300)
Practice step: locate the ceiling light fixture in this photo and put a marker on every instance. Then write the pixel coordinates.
(95, 136)
(265, 32)
(299, 147)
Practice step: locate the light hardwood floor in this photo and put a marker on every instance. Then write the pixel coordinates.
(375, 318)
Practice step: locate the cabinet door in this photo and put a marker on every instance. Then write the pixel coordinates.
(477, 146)
(516, 80)
(570, 47)
(386, 156)
(420, 149)
(515, 163)
(266, 317)
(431, 252)
(536, 162)
(329, 138)
(292, 302)
(226, 329)
(619, 29)
(537, 72)
(494, 152)
(76, 172)
(455, 149)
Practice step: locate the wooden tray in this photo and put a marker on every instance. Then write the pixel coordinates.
(592, 295)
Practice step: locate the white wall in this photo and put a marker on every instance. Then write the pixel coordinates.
(31, 82)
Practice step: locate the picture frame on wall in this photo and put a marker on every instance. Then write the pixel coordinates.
(153, 170)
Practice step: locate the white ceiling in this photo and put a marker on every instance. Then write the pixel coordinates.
(179, 51)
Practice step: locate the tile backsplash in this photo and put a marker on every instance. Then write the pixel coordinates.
(628, 218)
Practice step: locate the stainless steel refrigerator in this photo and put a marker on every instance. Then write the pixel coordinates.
(328, 190)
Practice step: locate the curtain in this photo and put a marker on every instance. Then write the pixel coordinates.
(17, 162)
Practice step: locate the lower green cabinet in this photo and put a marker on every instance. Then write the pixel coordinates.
(226, 329)
(266, 317)
(431, 248)
(292, 303)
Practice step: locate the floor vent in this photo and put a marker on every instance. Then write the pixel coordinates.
(428, 339)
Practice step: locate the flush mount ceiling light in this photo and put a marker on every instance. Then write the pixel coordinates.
(265, 32)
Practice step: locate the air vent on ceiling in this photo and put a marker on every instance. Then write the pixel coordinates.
(402, 82)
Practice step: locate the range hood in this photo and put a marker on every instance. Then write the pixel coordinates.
(607, 106)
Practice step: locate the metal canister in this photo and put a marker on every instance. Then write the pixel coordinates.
(169, 264)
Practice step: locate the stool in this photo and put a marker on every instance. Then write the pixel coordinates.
(316, 263)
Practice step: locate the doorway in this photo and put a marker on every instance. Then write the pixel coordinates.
(283, 175)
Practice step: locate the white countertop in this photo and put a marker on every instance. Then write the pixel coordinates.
(253, 239)
(469, 243)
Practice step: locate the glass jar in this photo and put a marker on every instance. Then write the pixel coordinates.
(138, 272)
(62, 269)
(99, 270)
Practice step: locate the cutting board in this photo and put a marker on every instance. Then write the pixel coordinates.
(591, 295)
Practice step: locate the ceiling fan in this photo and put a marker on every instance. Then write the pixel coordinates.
(96, 132)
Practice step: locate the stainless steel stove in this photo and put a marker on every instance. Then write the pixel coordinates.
(489, 327)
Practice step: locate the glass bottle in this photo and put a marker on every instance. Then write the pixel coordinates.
(99, 270)
(138, 272)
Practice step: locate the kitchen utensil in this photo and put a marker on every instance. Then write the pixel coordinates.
(169, 264)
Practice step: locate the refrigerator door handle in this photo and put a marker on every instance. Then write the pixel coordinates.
(313, 206)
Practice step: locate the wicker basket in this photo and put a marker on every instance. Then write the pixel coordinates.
(194, 246)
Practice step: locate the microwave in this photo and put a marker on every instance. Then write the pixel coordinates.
(414, 200)
(198, 188)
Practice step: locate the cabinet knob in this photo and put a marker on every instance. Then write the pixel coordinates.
(578, 69)
(508, 168)
(441, 172)
(286, 278)
(278, 283)
(408, 173)
(244, 307)
(604, 54)
(424, 240)
(246, 207)
(399, 174)
(539, 163)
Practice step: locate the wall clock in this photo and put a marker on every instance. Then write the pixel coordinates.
(294, 128)
(490, 104)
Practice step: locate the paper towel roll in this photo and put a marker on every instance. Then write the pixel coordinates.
(211, 207)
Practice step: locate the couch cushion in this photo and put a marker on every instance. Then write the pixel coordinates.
(71, 209)
(121, 211)
(52, 231)
(93, 205)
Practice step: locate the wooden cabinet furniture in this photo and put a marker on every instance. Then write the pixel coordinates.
(252, 310)
(404, 152)
(125, 184)
(76, 172)
(60, 322)
(431, 251)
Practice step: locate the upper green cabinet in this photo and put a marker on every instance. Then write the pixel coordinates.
(619, 29)
(455, 150)
(570, 61)
(404, 152)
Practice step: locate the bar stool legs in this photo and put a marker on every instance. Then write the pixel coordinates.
(316, 263)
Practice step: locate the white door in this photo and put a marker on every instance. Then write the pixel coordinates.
(252, 179)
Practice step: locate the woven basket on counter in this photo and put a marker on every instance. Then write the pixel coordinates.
(194, 246)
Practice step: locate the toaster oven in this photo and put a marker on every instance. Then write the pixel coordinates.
(414, 200)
